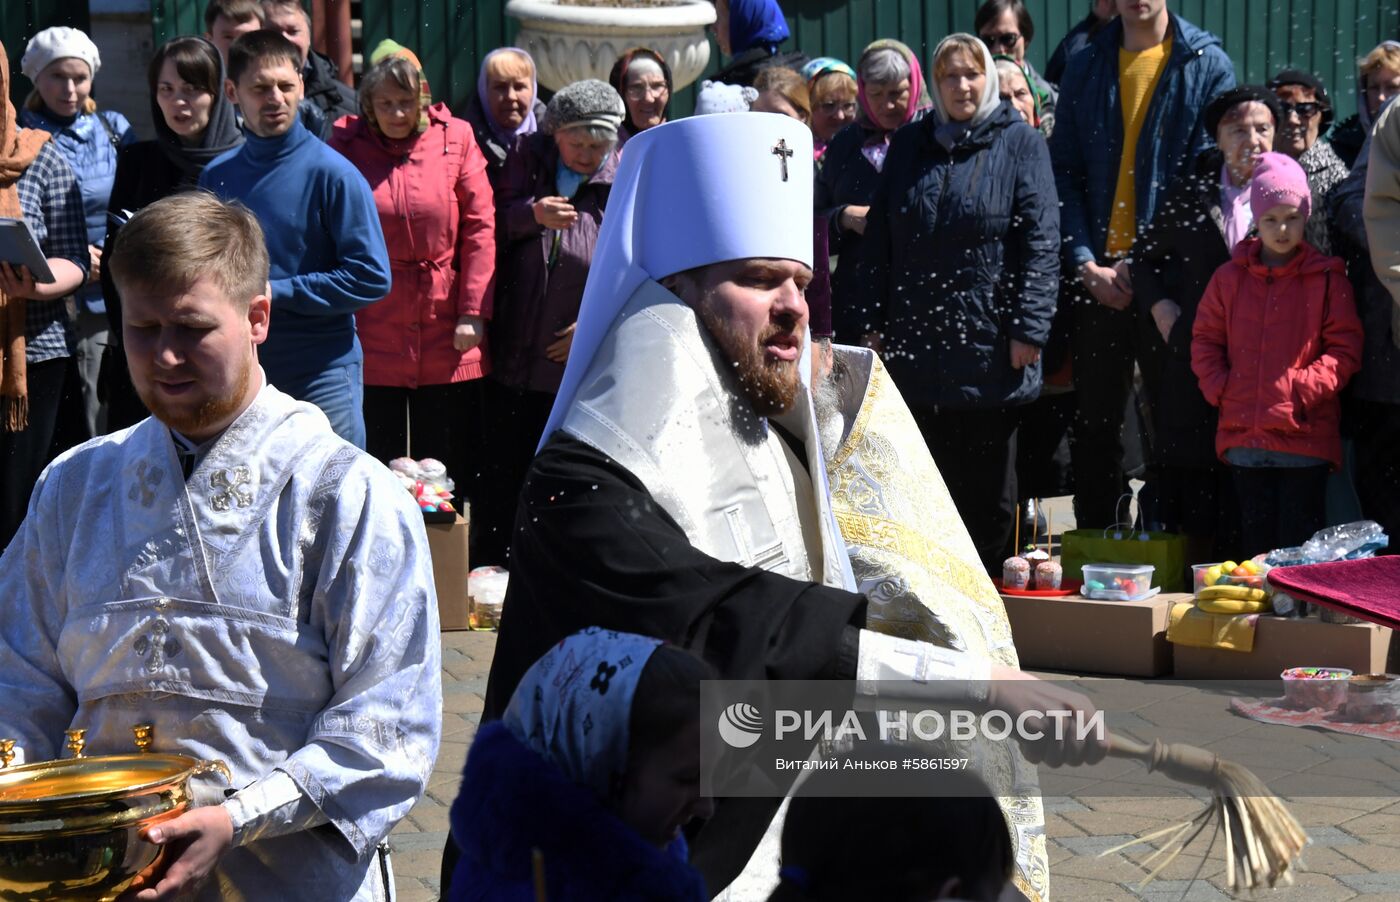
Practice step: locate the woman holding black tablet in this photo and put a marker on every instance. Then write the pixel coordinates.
(36, 339)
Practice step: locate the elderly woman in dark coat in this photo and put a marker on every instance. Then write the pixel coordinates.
(961, 263)
(1189, 238)
(891, 93)
(548, 213)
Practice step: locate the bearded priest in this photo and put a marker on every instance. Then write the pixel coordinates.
(680, 490)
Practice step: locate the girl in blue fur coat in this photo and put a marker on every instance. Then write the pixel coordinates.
(596, 764)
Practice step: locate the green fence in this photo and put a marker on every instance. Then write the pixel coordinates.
(451, 36)
(171, 18)
(1261, 36)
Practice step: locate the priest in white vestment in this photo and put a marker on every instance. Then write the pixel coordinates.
(679, 489)
(232, 572)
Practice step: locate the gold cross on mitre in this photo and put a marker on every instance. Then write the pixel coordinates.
(782, 152)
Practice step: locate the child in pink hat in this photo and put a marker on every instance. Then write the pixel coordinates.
(1276, 338)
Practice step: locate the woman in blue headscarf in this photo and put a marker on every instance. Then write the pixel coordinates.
(750, 31)
(585, 783)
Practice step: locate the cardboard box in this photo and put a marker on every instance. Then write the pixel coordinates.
(1282, 642)
(447, 542)
(1120, 638)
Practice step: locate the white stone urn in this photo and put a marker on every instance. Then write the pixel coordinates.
(576, 39)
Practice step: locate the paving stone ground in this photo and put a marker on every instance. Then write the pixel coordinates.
(1355, 856)
(418, 839)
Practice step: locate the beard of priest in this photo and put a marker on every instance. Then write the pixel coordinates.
(211, 415)
(755, 312)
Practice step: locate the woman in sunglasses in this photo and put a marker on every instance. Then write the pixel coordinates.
(1005, 26)
(1306, 113)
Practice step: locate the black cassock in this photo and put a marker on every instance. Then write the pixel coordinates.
(593, 548)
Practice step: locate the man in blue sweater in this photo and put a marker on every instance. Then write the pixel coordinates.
(323, 234)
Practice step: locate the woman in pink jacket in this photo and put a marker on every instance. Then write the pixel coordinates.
(423, 342)
(1275, 340)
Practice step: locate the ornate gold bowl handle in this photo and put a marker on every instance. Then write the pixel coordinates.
(7, 752)
(76, 741)
(144, 734)
(212, 767)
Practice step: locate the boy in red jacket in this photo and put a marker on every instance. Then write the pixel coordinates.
(1276, 337)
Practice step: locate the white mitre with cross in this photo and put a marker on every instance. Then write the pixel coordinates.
(690, 193)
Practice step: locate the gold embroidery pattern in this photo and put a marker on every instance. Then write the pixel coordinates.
(913, 558)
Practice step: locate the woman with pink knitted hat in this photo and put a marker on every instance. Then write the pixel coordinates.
(1275, 340)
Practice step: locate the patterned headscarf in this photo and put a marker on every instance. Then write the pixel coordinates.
(18, 148)
(1030, 83)
(823, 65)
(812, 73)
(574, 705)
(920, 99)
(389, 48)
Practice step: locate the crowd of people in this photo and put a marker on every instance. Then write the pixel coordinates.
(597, 318)
(1030, 270)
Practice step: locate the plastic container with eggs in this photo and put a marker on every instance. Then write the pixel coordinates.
(1119, 582)
(1358, 698)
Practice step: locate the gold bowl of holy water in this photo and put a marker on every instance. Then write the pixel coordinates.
(71, 829)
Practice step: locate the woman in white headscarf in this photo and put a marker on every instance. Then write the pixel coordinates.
(960, 263)
(62, 64)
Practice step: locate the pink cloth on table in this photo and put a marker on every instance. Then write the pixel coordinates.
(1367, 588)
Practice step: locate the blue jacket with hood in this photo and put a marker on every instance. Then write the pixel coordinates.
(1088, 139)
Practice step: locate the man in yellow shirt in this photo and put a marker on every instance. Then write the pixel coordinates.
(1131, 118)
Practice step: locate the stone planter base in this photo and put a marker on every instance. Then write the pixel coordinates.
(571, 43)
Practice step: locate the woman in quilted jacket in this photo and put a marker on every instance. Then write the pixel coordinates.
(959, 272)
(1275, 340)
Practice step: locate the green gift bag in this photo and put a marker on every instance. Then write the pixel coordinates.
(1164, 550)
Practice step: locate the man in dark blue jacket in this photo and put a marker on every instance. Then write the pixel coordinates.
(324, 239)
(1130, 120)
